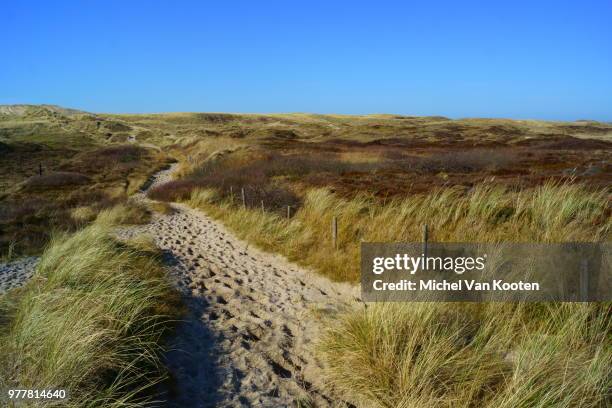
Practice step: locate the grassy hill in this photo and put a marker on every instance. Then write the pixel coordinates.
(382, 176)
(58, 162)
(285, 154)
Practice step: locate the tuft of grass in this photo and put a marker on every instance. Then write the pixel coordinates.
(160, 207)
(128, 213)
(469, 355)
(83, 214)
(9, 254)
(91, 320)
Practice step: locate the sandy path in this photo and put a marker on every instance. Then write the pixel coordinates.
(248, 339)
(16, 273)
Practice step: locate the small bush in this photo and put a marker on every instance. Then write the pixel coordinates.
(176, 190)
(56, 179)
(260, 175)
(18, 210)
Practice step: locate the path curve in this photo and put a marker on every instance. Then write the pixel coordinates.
(253, 319)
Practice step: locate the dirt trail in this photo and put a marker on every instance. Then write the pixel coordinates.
(248, 339)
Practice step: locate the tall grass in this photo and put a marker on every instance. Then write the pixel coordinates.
(467, 355)
(488, 213)
(90, 321)
(421, 355)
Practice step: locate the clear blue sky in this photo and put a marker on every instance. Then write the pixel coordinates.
(517, 59)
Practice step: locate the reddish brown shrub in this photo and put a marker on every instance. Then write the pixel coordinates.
(466, 161)
(174, 190)
(121, 154)
(56, 179)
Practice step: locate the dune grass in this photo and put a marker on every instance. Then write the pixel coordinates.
(467, 355)
(488, 213)
(420, 355)
(128, 213)
(91, 321)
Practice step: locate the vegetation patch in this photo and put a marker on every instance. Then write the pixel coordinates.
(92, 320)
(128, 213)
(33, 205)
(488, 213)
(56, 179)
(471, 355)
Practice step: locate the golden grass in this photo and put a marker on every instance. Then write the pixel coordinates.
(160, 207)
(421, 355)
(466, 355)
(90, 321)
(83, 214)
(489, 213)
(194, 152)
(128, 213)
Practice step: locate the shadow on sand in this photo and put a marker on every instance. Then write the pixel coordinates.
(195, 377)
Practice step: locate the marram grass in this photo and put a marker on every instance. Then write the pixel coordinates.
(489, 213)
(90, 321)
(426, 355)
(466, 355)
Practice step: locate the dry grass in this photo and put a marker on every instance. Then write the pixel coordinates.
(160, 207)
(383, 176)
(488, 213)
(91, 320)
(83, 184)
(447, 355)
(468, 355)
(83, 214)
(128, 213)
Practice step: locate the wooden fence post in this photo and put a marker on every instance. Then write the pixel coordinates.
(243, 197)
(425, 238)
(584, 281)
(232, 194)
(335, 232)
(263, 210)
(288, 211)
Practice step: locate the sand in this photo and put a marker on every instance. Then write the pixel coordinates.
(16, 273)
(253, 318)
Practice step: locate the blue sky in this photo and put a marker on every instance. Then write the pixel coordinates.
(531, 59)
